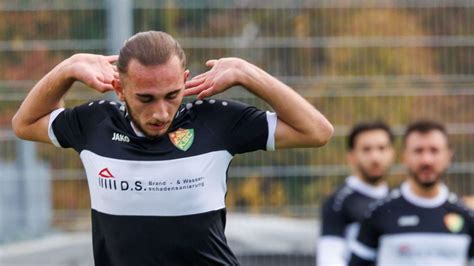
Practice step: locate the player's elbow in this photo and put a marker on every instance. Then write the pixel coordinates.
(19, 128)
(322, 134)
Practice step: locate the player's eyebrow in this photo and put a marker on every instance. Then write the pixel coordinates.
(173, 92)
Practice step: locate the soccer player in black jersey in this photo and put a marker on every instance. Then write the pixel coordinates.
(370, 155)
(421, 223)
(157, 168)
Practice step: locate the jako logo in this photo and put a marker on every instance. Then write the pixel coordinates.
(120, 137)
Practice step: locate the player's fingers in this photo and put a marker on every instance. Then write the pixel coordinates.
(112, 58)
(206, 93)
(201, 76)
(193, 83)
(107, 87)
(99, 85)
(211, 63)
(192, 91)
(199, 89)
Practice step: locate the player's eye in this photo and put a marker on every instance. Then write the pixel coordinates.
(145, 98)
(172, 96)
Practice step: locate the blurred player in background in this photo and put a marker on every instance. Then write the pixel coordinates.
(370, 155)
(421, 223)
(157, 169)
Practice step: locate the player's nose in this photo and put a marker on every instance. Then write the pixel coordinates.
(160, 112)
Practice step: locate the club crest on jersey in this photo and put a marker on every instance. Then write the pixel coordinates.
(182, 138)
(454, 222)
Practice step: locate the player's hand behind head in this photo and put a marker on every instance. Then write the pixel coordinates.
(96, 71)
(224, 73)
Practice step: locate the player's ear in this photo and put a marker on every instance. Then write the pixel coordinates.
(117, 84)
(391, 150)
(186, 75)
(350, 157)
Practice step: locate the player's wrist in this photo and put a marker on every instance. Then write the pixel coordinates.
(69, 68)
(244, 73)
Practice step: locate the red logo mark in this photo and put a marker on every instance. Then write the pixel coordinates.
(105, 173)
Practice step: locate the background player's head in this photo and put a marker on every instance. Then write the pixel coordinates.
(152, 68)
(426, 153)
(370, 150)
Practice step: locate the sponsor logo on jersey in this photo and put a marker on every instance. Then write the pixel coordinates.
(182, 138)
(105, 173)
(454, 222)
(409, 220)
(120, 137)
(107, 180)
(404, 249)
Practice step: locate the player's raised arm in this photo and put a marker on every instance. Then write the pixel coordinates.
(32, 118)
(299, 123)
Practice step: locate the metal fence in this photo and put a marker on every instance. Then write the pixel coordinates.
(354, 60)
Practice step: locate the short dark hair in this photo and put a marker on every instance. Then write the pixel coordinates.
(149, 48)
(362, 127)
(423, 127)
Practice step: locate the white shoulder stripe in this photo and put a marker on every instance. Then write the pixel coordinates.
(272, 123)
(51, 134)
(363, 251)
(331, 251)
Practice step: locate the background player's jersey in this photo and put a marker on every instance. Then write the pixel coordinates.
(409, 230)
(341, 215)
(161, 201)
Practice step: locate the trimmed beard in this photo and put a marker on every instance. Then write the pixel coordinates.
(137, 125)
(426, 185)
(370, 179)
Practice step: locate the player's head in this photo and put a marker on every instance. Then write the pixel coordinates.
(152, 68)
(426, 152)
(370, 150)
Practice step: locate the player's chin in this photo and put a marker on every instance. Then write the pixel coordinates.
(427, 179)
(376, 173)
(156, 133)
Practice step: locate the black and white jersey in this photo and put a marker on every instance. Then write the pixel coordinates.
(161, 201)
(341, 215)
(409, 230)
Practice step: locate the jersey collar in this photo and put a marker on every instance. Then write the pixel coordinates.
(414, 199)
(137, 131)
(376, 192)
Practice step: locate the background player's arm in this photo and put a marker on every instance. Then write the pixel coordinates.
(32, 119)
(299, 123)
(364, 248)
(332, 249)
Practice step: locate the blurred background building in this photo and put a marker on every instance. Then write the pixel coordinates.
(397, 60)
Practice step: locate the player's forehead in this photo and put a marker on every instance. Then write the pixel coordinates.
(372, 137)
(155, 79)
(432, 138)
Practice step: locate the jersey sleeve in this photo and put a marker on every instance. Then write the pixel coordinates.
(240, 127)
(470, 216)
(333, 220)
(70, 128)
(364, 249)
(332, 248)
